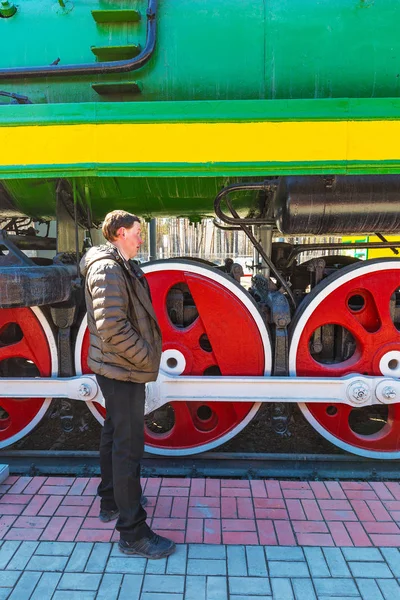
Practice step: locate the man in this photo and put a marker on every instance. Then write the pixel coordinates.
(125, 352)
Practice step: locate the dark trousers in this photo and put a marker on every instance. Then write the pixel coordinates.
(121, 449)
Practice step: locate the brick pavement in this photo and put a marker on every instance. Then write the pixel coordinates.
(211, 511)
(285, 540)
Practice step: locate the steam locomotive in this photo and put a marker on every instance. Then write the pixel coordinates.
(279, 116)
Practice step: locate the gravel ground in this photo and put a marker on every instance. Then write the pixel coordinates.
(256, 437)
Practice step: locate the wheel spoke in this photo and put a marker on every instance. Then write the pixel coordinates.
(218, 330)
(18, 350)
(37, 346)
(359, 301)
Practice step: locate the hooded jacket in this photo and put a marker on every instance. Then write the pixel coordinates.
(125, 338)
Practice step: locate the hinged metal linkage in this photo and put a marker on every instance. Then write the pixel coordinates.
(245, 224)
(115, 66)
(353, 390)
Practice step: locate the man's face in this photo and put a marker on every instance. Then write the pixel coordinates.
(130, 239)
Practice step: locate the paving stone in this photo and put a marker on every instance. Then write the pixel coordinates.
(361, 554)
(98, 558)
(217, 588)
(281, 589)
(371, 570)
(62, 595)
(256, 564)
(369, 589)
(9, 578)
(22, 556)
(236, 561)
(288, 569)
(289, 553)
(335, 587)
(195, 587)
(316, 562)
(128, 564)
(79, 581)
(55, 548)
(156, 567)
(110, 586)
(115, 551)
(235, 597)
(47, 563)
(392, 557)
(206, 567)
(303, 589)
(389, 588)
(46, 586)
(160, 596)
(176, 564)
(7, 551)
(25, 586)
(249, 585)
(79, 557)
(131, 586)
(157, 583)
(336, 563)
(207, 551)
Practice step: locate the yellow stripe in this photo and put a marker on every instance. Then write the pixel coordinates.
(200, 142)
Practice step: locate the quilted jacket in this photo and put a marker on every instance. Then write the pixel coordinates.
(125, 338)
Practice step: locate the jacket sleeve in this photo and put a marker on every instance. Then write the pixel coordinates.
(107, 287)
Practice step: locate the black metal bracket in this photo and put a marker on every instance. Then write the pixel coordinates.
(23, 283)
(118, 66)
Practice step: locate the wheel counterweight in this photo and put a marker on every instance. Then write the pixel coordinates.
(27, 349)
(350, 323)
(216, 329)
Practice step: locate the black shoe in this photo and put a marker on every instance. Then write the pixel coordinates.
(109, 515)
(154, 546)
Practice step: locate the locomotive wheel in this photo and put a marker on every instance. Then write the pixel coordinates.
(27, 349)
(350, 323)
(216, 325)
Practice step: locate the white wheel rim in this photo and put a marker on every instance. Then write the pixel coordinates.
(367, 268)
(252, 309)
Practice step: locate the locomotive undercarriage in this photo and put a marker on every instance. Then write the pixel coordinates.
(324, 334)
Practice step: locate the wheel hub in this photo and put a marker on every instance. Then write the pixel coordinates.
(210, 326)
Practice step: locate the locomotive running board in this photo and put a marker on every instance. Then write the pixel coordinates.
(354, 390)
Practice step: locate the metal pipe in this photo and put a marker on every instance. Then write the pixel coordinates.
(257, 245)
(265, 186)
(300, 248)
(118, 66)
(153, 239)
(33, 242)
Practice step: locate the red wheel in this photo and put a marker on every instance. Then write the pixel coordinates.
(27, 349)
(351, 324)
(214, 323)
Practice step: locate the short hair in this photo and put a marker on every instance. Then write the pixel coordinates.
(116, 219)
